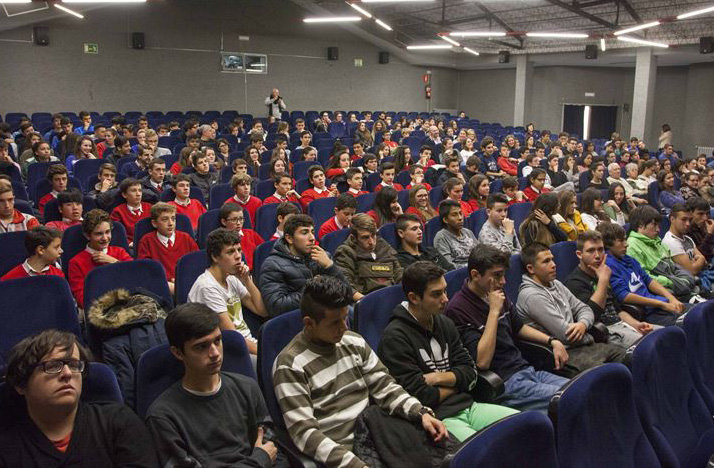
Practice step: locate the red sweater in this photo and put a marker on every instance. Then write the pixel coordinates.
(19, 272)
(361, 192)
(81, 264)
(248, 243)
(61, 226)
(335, 172)
(43, 201)
(507, 166)
(251, 206)
(395, 186)
(274, 199)
(530, 194)
(151, 247)
(122, 214)
(329, 226)
(310, 195)
(193, 210)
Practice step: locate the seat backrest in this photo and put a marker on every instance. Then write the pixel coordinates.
(274, 336)
(476, 220)
(195, 193)
(209, 221)
(266, 220)
(373, 311)
(699, 328)
(365, 202)
(388, 232)
(521, 440)
(264, 189)
(259, 255)
(372, 181)
(332, 240)
(188, 268)
(31, 305)
(144, 226)
(595, 410)
(518, 212)
(12, 250)
(514, 276)
(158, 369)
(101, 384)
(84, 168)
(673, 414)
(455, 280)
(219, 194)
(73, 242)
(565, 259)
(432, 226)
(320, 210)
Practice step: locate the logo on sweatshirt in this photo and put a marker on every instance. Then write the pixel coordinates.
(635, 282)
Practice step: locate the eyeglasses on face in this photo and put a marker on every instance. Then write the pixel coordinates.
(55, 366)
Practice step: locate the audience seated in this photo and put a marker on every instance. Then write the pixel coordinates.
(591, 211)
(130, 212)
(598, 180)
(106, 190)
(541, 224)
(70, 207)
(386, 207)
(203, 177)
(155, 181)
(354, 178)
(453, 242)
(454, 190)
(498, 230)
(316, 177)
(295, 258)
(327, 376)
(284, 211)
(366, 259)
(53, 427)
(97, 228)
(181, 185)
(241, 183)
(58, 177)
(701, 229)
(230, 404)
(410, 232)
(490, 328)
(419, 203)
(452, 169)
(167, 244)
(227, 285)
(423, 352)
(546, 304)
(590, 283)
(416, 172)
(44, 248)
(284, 191)
(682, 248)
(345, 208)
(668, 195)
(387, 172)
(536, 185)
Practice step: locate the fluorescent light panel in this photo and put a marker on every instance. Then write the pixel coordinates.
(689, 14)
(450, 41)
(103, 1)
(396, 1)
(638, 27)
(634, 40)
(67, 10)
(558, 35)
(383, 24)
(428, 47)
(361, 10)
(332, 19)
(477, 34)
(15, 1)
(603, 46)
(471, 51)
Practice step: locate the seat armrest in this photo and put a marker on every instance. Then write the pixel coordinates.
(489, 386)
(295, 457)
(540, 356)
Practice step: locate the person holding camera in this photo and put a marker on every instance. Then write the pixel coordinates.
(275, 104)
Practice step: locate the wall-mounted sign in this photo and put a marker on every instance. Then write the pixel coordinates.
(91, 48)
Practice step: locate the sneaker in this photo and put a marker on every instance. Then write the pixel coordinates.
(697, 299)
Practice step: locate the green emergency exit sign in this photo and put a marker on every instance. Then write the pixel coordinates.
(91, 48)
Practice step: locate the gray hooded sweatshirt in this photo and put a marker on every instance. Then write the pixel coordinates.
(552, 309)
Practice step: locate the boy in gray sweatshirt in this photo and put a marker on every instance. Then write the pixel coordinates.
(545, 303)
(498, 230)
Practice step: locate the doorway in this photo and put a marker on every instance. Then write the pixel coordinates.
(589, 121)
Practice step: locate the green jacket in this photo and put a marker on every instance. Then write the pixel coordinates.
(364, 272)
(649, 252)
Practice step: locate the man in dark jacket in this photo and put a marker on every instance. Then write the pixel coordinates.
(423, 351)
(155, 181)
(51, 427)
(410, 232)
(366, 259)
(490, 327)
(295, 258)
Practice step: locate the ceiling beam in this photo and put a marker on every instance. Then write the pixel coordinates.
(492, 16)
(631, 11)
(593, 3)
(465, 19)
(584, 14)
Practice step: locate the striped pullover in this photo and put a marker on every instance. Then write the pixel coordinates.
(323, 389)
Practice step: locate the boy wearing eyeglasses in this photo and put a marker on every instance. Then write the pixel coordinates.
(52, 427)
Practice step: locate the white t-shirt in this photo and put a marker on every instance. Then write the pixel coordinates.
(678, 245)
(206, 290)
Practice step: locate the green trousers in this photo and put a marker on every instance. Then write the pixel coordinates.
(474, 418)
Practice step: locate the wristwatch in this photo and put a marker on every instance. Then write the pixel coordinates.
(551, 339)
(426, 410)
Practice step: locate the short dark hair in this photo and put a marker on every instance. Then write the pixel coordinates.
(386, 166)
(351, 172)
(28, 353)
(324, 292)
(312, 169)
(226, 210)
(589, 197)
(610, 232)
(418, 275)
(698, 204)
(678, 208)
(56, 169)
(345, 200)
(642, 216)
(494, 198)
(297, 221)
(188, 322)
(180, 178)
(40, 236)
(451, 183)
(217, 240)
(69, 196)
(485, 257)
(403, 219)
(93, 219)
(286, 208)
(127, 183)
(588, 236)
(510, 182)
(535, 173)
(445, 207)
(530, 253)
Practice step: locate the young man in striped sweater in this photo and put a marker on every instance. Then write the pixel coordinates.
(326, 376)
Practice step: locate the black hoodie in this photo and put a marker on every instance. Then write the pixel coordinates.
(410, 351)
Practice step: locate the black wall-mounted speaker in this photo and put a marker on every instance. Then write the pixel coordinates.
(384, 57)
(333, 53)
(504, 56)
(706, 45)
(591, 51)
(138, 40)
(41, 34)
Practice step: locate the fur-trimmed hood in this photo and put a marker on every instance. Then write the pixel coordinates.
(120, 309)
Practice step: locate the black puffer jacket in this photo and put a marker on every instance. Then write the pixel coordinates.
(283, 276)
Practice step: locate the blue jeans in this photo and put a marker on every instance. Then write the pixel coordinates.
(529, 389)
